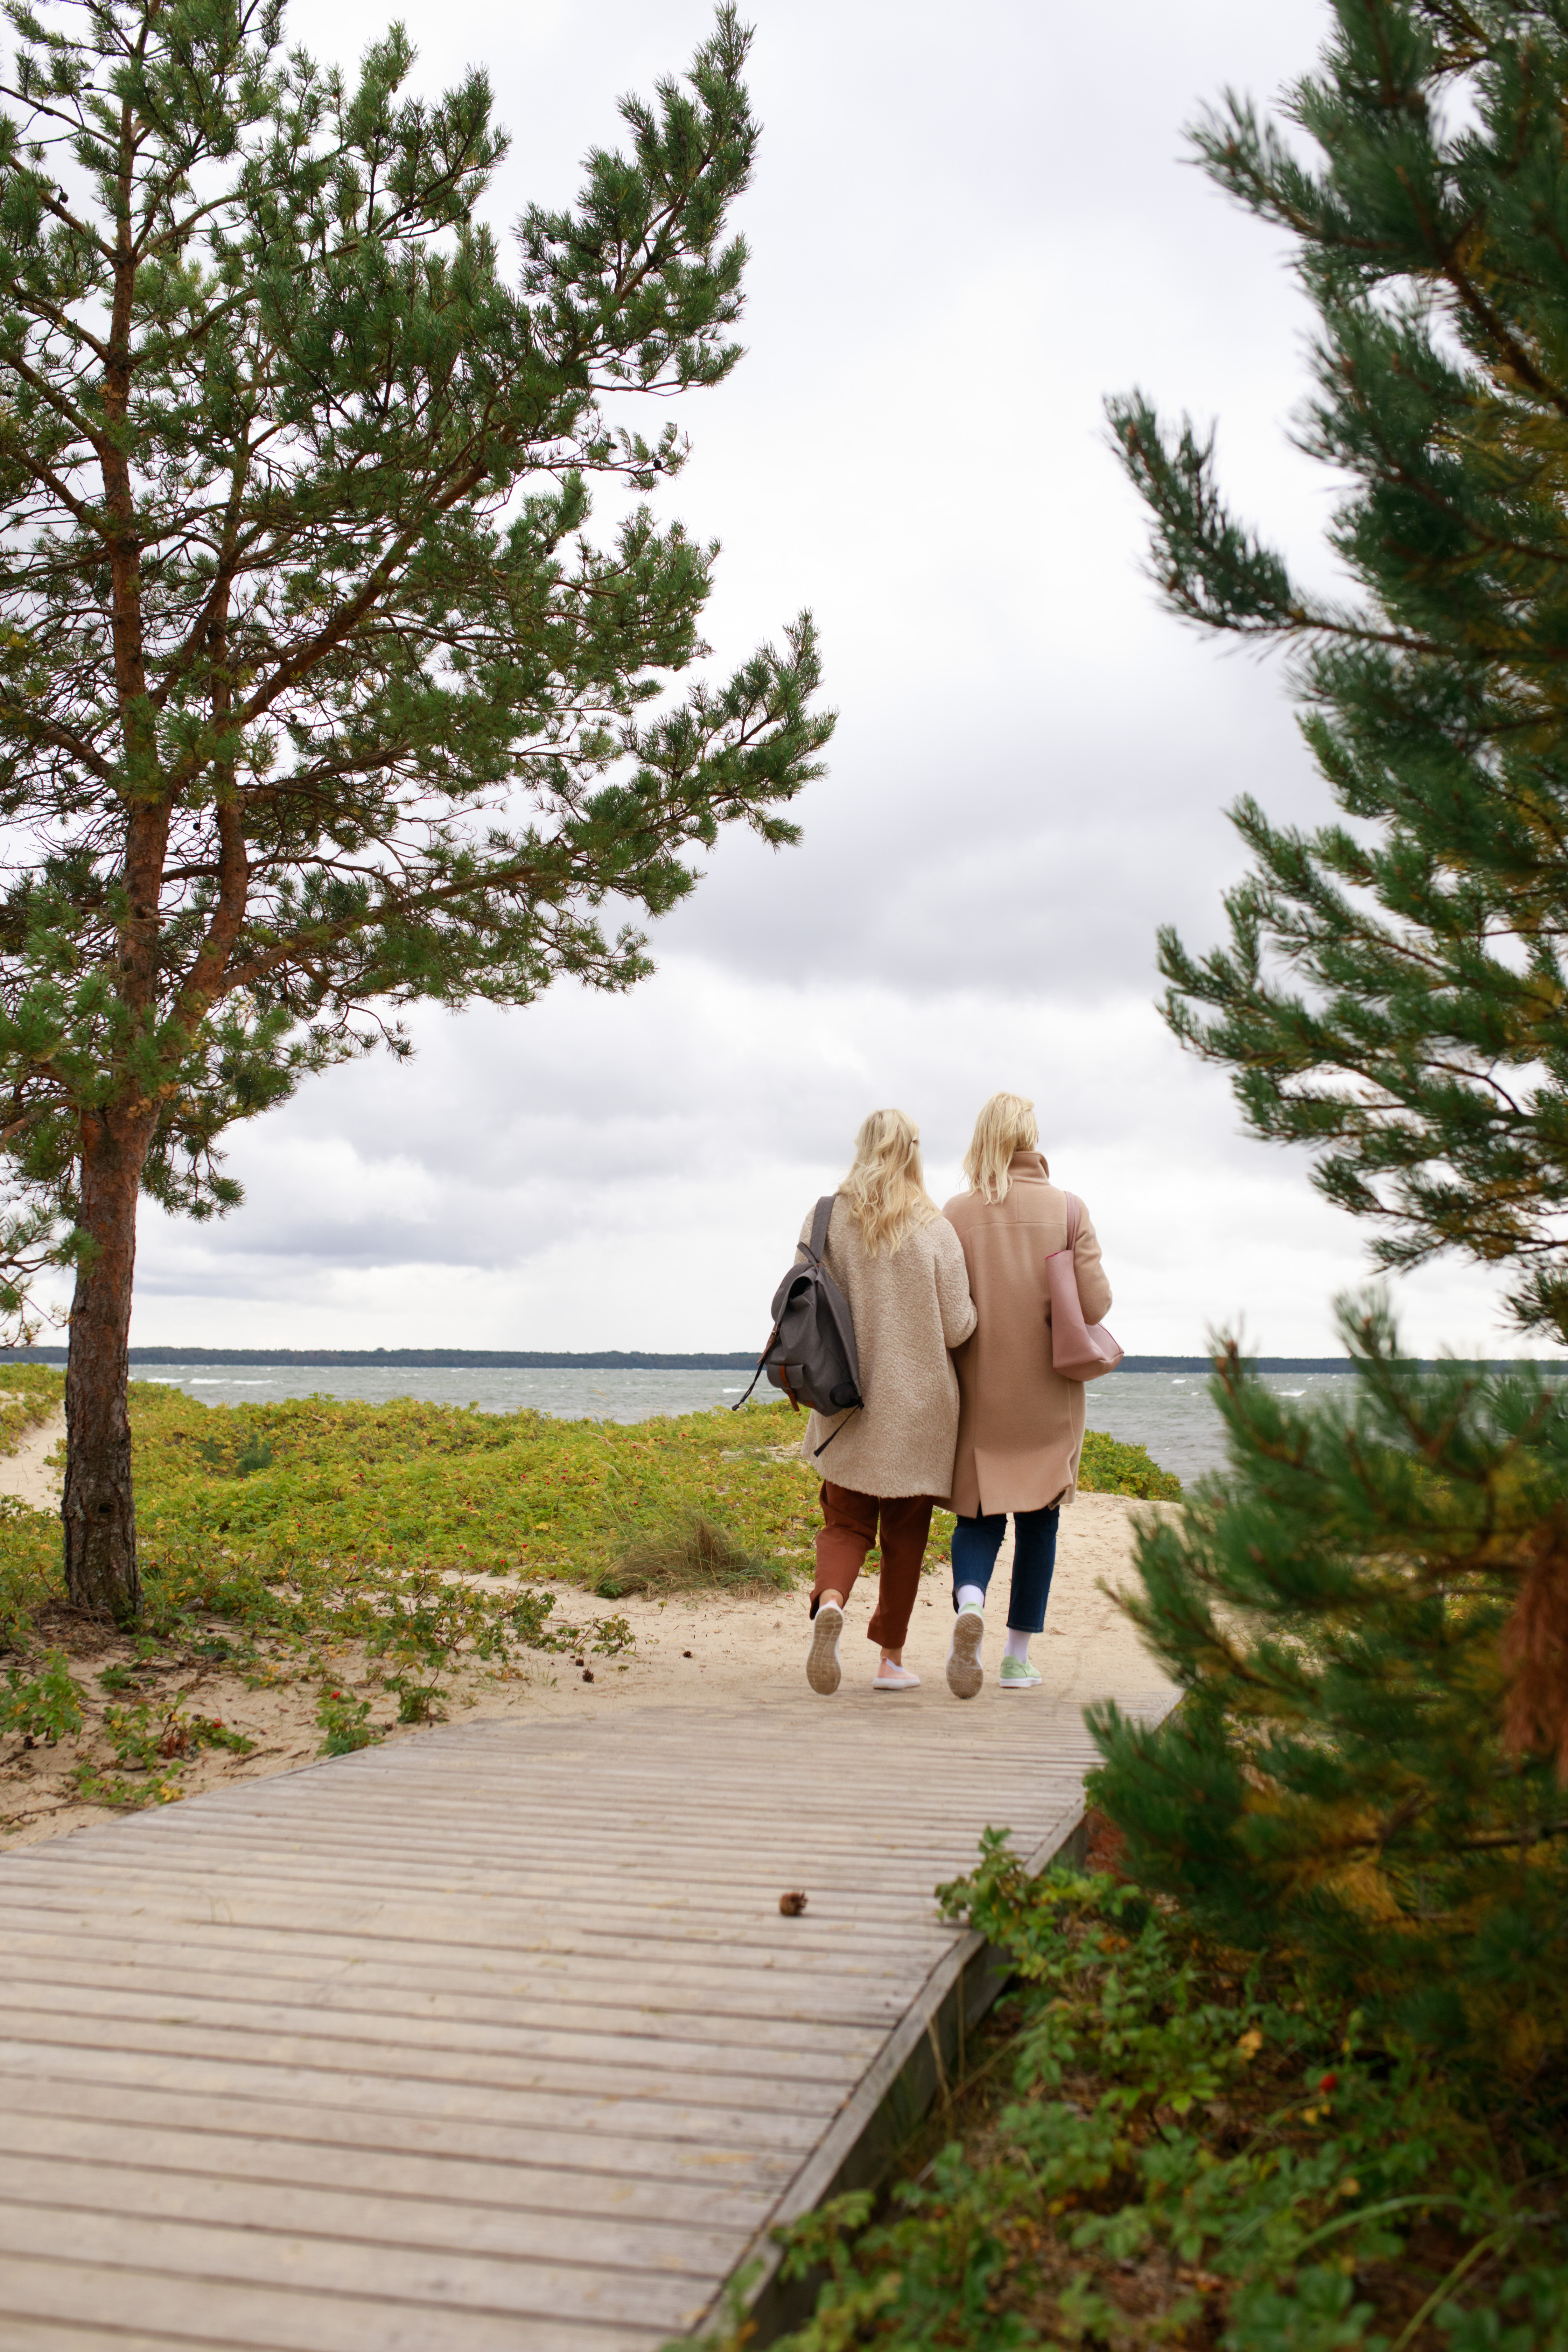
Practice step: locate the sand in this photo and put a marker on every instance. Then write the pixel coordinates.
(691, 1649)
(27, 1472)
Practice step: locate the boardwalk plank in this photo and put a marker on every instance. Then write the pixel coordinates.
(597, 2169)
(397, 2184)
(221, 2315)
(284, 2035)
(328, 1964)
(491, 2038)
(658, 2121)
(329, 2266)
(165, 1973)
(143, 2191)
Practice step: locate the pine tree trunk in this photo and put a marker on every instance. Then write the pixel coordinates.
(100, 1510)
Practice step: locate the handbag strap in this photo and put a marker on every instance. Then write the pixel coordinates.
(819, 1225)
(1075, 1209)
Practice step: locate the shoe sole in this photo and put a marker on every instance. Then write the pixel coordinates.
(1017, 1686)
(894, 1687)
(965, 1674)
(822, 1667)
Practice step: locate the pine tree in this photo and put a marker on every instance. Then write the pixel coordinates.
(1368, 1616)
(1358, 1765)
(317, 698)
(1394, 994)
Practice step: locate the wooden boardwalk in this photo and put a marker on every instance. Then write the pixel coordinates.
(489, 2040)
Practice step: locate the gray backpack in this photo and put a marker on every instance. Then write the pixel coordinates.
(811, 1349)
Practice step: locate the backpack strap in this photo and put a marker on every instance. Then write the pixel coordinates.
(762, 1363)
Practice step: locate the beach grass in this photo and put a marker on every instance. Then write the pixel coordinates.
(290, 1515)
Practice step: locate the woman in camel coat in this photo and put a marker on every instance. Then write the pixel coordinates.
(1020, 1429)
(883, 1464)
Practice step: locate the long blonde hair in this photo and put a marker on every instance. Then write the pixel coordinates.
(885, 1190)
(1006, 1124)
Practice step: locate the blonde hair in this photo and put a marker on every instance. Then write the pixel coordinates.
(885, 1190)
(1006, 1124)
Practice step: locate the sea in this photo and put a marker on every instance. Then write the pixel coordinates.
(1171, 1414)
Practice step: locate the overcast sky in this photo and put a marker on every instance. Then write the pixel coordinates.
(967, 227)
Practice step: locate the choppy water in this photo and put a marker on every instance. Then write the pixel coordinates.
(1169, 1413)
(1173, 1415)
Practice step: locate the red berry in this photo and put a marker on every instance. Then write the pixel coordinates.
(1328, 2082)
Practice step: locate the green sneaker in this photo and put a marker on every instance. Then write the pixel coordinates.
(1017, 1673)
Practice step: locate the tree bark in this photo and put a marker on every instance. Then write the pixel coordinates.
(98, 1509)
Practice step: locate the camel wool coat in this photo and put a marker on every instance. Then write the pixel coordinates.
(1020, 1429)
(908, 1311)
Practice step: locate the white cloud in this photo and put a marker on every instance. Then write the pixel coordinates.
(602, 1174)
(966, 228)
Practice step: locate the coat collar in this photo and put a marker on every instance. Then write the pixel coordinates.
(1029, 1167)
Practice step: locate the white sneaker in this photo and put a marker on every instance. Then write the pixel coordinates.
(964, 1672)
(891, 1678)
(822, 1671)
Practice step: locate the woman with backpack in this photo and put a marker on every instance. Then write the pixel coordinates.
(1020, 1430)
(885, 1464)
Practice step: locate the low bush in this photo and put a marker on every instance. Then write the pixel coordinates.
(1169, 2142)
(150, 1742)
(309, 1515)
(345, 1724)
(1110, 1465)
(46, 1705)
(229, 1498)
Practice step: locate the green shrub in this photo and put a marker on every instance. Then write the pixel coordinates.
(42, 1706)
(345, 1724)
(1169, 2143)
(1109, 1465)
(150, 1742)
(234, 1500)
(32, 1578)
(529, 1620)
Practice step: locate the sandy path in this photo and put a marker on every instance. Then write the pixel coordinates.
(26, 1472)
(1088, 1650)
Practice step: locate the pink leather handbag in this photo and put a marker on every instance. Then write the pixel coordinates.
(1079, 1350)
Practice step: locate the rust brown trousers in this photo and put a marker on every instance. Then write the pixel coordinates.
(851, 1525)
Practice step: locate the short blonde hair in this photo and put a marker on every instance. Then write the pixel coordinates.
(1006, 1124)
(885, 1190)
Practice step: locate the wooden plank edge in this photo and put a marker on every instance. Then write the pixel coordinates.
(862, 2144)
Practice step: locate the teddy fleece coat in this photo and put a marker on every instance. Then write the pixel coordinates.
(1020, 1429)
(908, 1310)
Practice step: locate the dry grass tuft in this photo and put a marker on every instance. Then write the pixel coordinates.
(692, 1554)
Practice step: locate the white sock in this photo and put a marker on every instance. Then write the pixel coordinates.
(969, 1596)
(1017, 1645)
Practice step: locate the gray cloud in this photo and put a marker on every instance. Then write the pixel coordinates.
(966, 228)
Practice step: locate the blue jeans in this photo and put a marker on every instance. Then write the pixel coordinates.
(975, 1544)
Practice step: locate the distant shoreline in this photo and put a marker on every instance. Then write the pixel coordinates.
(396, 1360)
